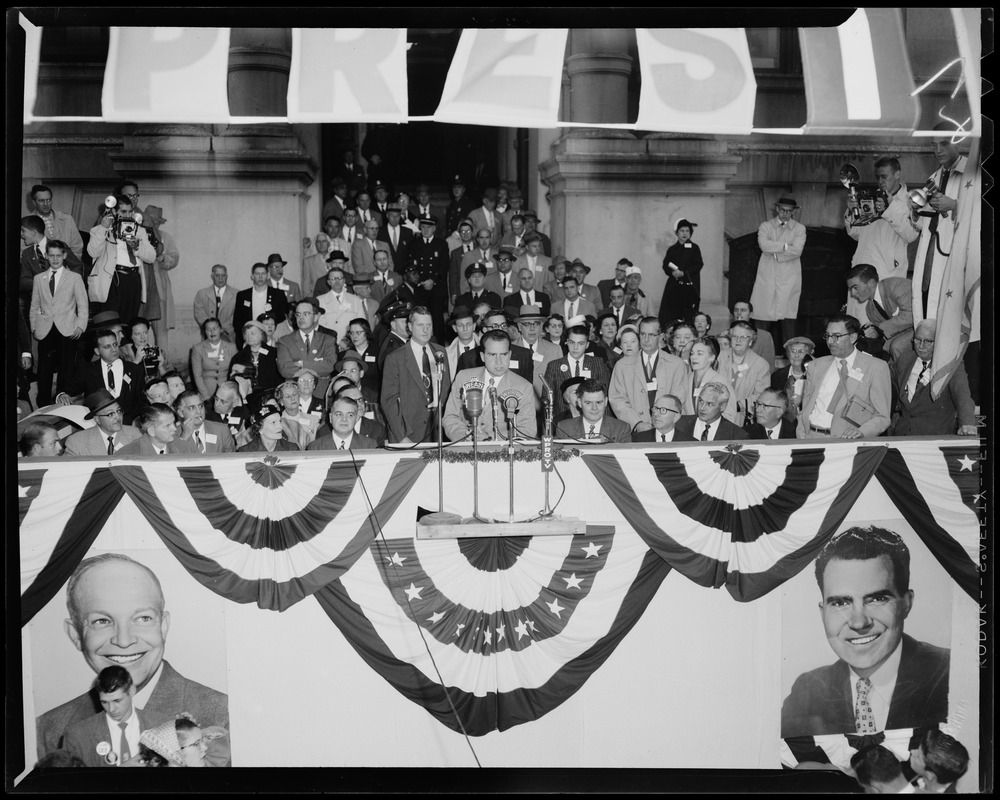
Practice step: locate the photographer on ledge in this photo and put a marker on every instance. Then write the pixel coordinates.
(118, 245)
(882, 242)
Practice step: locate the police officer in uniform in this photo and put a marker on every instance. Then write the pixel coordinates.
(429, 254)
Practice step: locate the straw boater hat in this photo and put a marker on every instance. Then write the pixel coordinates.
(787, 201)
(530, 313)
(350, 355)
(163, 740)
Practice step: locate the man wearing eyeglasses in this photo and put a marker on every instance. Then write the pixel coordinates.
(769, 413)
(848, 393)
(666, 410)
(707, 423)
(108, 436)
(916, 412)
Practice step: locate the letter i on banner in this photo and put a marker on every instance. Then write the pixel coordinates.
(695, 80)
(167, 75)
(348, 75)
(505, 77)
(858, 76)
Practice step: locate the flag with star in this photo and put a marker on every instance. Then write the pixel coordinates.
(500, 630)
(958, 311)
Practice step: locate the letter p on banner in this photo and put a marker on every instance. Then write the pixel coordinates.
(167, 75)
(695, 80)
(348, 75)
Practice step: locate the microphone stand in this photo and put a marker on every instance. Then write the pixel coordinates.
(440, 432)
(546, 447)
(511, 416)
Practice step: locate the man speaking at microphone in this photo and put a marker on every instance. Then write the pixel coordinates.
(505, 395)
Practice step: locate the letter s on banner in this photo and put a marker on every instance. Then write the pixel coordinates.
(167, 74)
(505, 77)
(348, 75)
(695, 80)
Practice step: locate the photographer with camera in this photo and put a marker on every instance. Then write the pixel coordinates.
(882, 240)
(141, 351)
(118, 245)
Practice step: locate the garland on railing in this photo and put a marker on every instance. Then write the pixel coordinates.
(499, 454)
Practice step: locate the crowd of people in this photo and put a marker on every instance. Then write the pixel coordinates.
(406, 309)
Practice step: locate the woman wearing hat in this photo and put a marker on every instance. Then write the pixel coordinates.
(682, 264)
(792, 378)
(257, 362)
(267, 432)
(182, 742)
(607, 338)
(210, 358)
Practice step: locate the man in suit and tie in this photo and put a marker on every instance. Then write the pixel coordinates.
(707, 424)
(483, 253)
(122, 379)
(343, 436)
(486, 218)
(542, 352)
(397, 237)
(848, 393)
(455, 258)
(617, 306)
(408, 382)
(259, 299)
(364, 248)
(535, 260)
(366, 214)
(34, 261)
(605, 286)
(506, 395)
(206, 436)
(939, 760)
(109, 435)
(384, 280)
(308, 346)
(218, 301)
(125, 596)
(585, 290)
(339, 305)
(594, 424)
(577, 364)
(527, 295)
(886, 303)
(58, 318)
(573, 305)
(769, 410)
(667, 410)
(158, 424)
(111, 737)
(463, 323)
(522, 359)
(917, 413)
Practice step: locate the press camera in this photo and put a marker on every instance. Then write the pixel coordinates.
(872, 200)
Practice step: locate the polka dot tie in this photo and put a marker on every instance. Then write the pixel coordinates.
(863, 715)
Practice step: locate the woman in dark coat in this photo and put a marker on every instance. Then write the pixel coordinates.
(268, 436)
(682, 264)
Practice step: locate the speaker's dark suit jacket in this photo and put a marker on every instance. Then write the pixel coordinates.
(725, 432)
(786, 430)
(89, 377)
(922, 416)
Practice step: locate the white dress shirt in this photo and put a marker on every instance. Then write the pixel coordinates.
(820, 417)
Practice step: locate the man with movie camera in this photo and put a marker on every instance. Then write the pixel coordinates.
(118, 245)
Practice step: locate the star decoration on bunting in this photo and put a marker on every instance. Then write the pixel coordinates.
(979, 497)
(531, 624)
(980, 420)
(555, 608)
(966, 463)
(487, 636)
(592, 549)
(396, 559)
(573, 582)
(522, 630)
(968, 185)
(949, 293)
(436, 617)
(501, 632)
(458, 630)
(413, 593)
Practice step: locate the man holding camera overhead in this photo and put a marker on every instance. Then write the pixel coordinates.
(118, 244)
(882, 242)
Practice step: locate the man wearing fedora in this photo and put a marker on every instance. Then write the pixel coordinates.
(259, 299)
(503, 282)
(164, 316)
(541, 352)
(277, 280)
(109, 435)
(776, 291)
(339, 305)
(531, 226)
(586, 291)
(558, 270)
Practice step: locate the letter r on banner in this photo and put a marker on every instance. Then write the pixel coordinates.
(697, 80)
(505, 77)
(167, 74)
(348, 75)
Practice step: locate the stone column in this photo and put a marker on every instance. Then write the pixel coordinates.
(598, 67)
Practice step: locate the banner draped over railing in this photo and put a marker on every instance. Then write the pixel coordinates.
(515, 625)
(858, 79)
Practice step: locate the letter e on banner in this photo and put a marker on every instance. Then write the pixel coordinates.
(167, 75)
(348, 75)
(695, 80)
(505, 77)
(858, 76)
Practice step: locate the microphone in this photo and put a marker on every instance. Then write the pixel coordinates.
(472, 396)
(492, 392)
(439, 356)
(510, 400)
